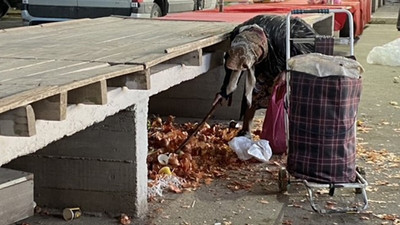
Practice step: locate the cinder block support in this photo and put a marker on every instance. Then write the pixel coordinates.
(100, 169)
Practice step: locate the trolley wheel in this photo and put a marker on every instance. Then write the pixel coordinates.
(361, 171)
(283, 179)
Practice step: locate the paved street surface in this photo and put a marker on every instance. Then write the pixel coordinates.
(378, 153)
(12, 19)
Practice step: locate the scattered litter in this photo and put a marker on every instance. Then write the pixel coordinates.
(364, 217)
(240, 145)
(163, 159)
(156, 187)
(165, 170)
(71, 213)
(124, 219)
(388, 54)
(204, 158)
(246, 149)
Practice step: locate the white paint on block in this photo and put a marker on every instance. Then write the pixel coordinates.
(79, 117)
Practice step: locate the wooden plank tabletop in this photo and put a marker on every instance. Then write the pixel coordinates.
(108, 39)
(62, 56)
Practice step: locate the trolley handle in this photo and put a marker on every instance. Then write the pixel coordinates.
(303, 11)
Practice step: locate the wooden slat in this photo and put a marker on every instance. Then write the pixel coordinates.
(21, 90)
(221, 47)
(139, 80)
(62, 57)
(202, 43)
(51, 108)
(94, 44)
(25, 95)
(60, 73)
(190, 59)
(18, 122)
(95, 93)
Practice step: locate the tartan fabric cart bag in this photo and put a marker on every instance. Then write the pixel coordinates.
(323, 94)
(322, 116)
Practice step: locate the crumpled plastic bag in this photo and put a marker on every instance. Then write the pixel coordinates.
(321, 65)
(246, 149)
(240, 145)
(387, 54)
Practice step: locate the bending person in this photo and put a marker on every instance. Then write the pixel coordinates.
(258, 47)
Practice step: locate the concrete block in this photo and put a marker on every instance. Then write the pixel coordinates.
(16, 194)
(100, 169)
(77, 173)
(89, 200)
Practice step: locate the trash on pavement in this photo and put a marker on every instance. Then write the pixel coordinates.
(387, 54)
(246, 149)
(71, 213)
(124, 219)
(156, 187)
(321, 65)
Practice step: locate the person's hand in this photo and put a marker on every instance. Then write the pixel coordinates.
(219, 99)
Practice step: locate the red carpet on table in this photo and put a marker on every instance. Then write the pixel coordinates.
(360, 9)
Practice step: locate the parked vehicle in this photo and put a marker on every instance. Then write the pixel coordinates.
(42, 11)
(5, 5)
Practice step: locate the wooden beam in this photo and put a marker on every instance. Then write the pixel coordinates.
(208, 41)
(95, 93)
(138, 80)
(18, 122)
(189, 59)
(52, 108)
(222, 46)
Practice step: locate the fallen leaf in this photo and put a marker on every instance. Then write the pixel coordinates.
(391, 217)
(208, 181)
(364, 218)
(287, 222)
(124, 219)
(174, 188)
(381, 182)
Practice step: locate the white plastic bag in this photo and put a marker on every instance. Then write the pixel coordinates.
(245, 149)
(260, 150)
(321, 65)
(388, 54)
(240, 146)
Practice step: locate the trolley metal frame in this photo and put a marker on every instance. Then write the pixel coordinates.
(284, 179)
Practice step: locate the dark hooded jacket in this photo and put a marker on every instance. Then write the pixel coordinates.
(274, 27)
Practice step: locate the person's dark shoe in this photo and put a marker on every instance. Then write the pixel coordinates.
(244, 133)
